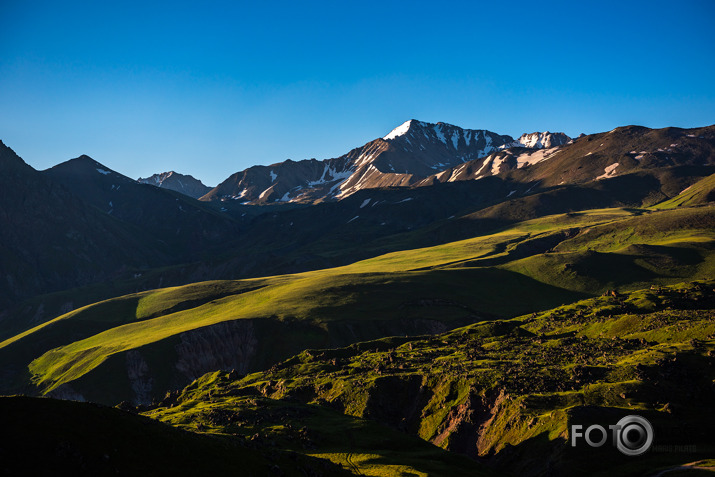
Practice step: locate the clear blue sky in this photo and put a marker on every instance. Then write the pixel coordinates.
(211, 88)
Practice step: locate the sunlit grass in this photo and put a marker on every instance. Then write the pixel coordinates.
(542, 261)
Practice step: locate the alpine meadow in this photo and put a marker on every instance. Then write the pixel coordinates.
(422, 299)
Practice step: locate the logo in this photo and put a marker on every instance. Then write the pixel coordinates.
(632, 435)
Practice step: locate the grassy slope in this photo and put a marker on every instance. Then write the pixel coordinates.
(382, 230)
(702, 192)
(359, 445)
(634, 252)
(506, 391)
(550, 260)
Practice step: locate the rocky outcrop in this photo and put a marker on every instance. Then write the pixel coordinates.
(140, 378)
(543, 140)
(224, 346)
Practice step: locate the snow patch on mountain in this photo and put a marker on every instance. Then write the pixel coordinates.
(330, 174)
(455, 139)
(439, 133)
(609, 171)
(529, 158)
(400, 130)
(540, 140)
(509, 145)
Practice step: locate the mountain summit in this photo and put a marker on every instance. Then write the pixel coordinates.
(543, 140)
(11, 163)
(409, 153)
(171, 180)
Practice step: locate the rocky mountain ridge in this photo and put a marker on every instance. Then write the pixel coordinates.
(541, 140)
(186, 184)
(408, 154)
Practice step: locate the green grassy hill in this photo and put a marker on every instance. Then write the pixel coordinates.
(700, 193)
(504, 392)
(138, 346)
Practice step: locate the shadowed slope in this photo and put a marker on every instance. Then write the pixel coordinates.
(50, 437)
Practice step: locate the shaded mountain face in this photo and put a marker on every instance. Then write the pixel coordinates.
(51, 240)
(171, 180)
(185, 226)
(81, 223)
(409, 153)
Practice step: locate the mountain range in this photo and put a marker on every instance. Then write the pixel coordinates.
(417, 153)
(411, 152)
(465, 294)
(441, 172)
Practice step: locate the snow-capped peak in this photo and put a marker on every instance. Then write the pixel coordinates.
(540, 140)
(400, 130)
(185, 184)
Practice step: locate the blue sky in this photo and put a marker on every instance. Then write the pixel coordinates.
(212, 88)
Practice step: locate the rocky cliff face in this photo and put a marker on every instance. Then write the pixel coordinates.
(552, 159)
(140, 378)
(225, 346)
(416, 150)
(289, 181)
(409, 154)
(229, 345)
